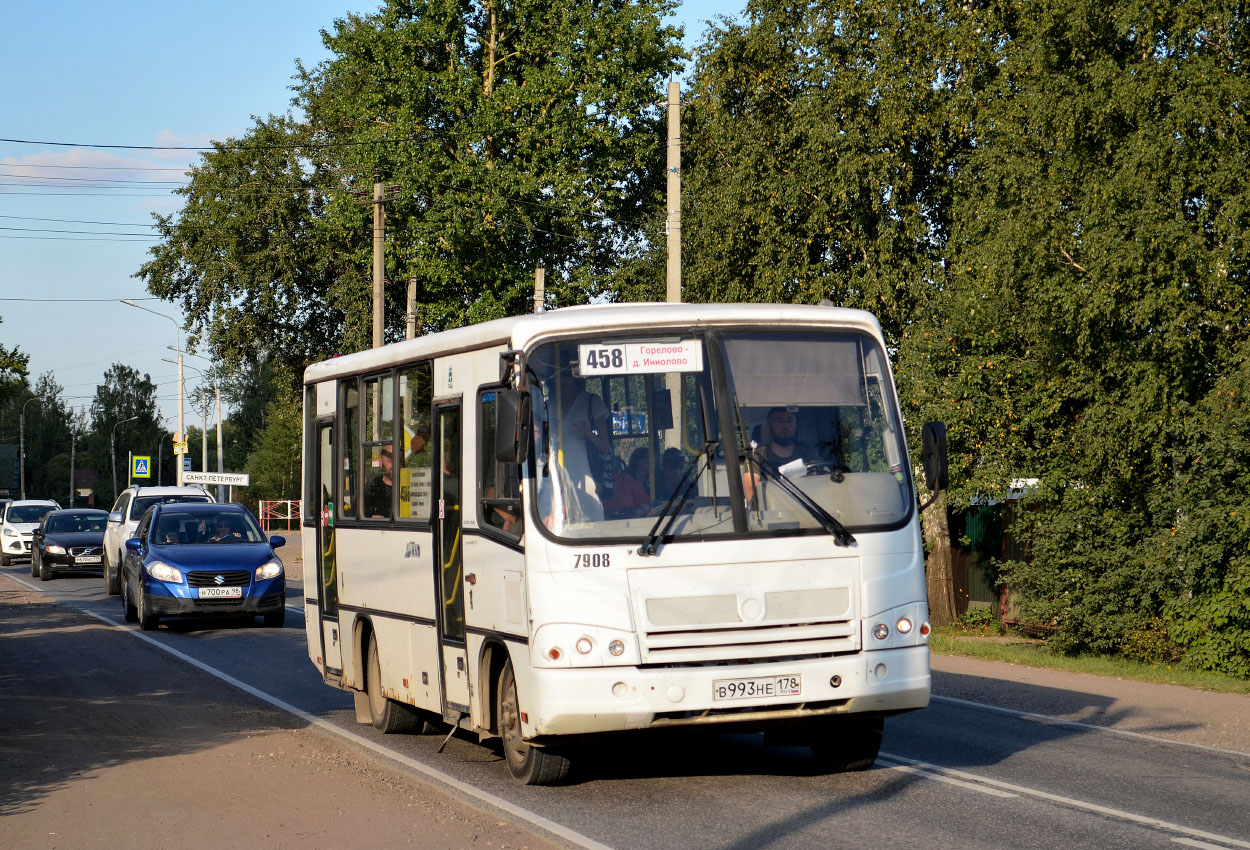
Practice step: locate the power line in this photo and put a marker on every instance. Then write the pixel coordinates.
(76, 221)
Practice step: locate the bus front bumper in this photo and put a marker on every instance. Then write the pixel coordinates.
(583, 701)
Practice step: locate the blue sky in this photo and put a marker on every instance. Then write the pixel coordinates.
(132, 74)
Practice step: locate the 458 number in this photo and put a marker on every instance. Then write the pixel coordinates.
(605, 358)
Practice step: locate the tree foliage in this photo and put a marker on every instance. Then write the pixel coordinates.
(510, 133)
(1046, 206)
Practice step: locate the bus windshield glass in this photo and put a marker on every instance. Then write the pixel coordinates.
(636, 434)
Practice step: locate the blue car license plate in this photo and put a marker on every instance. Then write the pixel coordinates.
(221, 593)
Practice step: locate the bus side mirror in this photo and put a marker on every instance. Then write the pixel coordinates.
(513, 421)
(936, 468)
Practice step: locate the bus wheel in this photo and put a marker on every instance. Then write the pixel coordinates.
(532, 765)
(847, 743)
(387, 715)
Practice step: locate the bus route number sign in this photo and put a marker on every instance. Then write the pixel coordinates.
(638, 358)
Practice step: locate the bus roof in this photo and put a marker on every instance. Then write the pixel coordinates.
(520, 331)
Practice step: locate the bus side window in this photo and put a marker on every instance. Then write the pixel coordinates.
(416, 396)
(350, 467)
(499, 506)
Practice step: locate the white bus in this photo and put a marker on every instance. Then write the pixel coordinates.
(620, 517)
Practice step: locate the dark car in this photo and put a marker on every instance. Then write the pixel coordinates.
(201, 559)
(69, 540)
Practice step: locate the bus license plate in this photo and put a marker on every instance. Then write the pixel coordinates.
(765, 686)
(221, 592)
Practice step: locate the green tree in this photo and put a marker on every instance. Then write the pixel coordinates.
(123, 395)
(12, 369)
(814, 157)
(514, 132)
(1094, 296)
(274, 464)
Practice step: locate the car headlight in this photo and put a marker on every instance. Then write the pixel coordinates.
(164, 572)
(273, 569)
(55, 549)
(11, 532)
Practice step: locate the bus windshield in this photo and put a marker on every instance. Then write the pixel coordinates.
(796, 428)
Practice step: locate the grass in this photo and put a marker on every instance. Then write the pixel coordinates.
(1016, 649)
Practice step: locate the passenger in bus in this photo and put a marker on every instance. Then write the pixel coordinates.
(583, 442)
(672, 470)
(378, 494)
(629, 499)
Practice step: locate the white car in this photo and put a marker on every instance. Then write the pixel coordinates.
(127, 511)
(19, 521)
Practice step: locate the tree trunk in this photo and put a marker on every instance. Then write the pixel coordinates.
(938, 569)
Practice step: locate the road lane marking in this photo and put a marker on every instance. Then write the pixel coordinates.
(1200, 844)
(1142, 820)
(1059, 721)
(465, 788)
(928, 774)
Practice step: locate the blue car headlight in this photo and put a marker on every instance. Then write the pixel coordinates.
(273, 569)
(164, 572)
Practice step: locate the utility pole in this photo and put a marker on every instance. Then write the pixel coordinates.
(221, 490)
(381, 194)
(673, 225)
(379, 260)
(540, 289)
(410, 314)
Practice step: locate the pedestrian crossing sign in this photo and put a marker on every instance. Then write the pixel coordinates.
(142, 466)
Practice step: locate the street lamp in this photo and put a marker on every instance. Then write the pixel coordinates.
(182, 434)
(113, 451)
(221, 491)
(21, 440)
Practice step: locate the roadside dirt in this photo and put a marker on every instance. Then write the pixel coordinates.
(92, 758)
(101, 755)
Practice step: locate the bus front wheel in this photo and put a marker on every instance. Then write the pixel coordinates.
(532, 765)
(846, 743)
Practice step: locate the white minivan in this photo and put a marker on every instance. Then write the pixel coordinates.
(18, 522)
(125, 516)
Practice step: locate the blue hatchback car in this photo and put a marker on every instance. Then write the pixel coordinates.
(201, 559)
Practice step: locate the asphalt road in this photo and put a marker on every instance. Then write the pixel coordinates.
(991, 763)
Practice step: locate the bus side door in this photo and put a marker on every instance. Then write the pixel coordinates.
(450, 575)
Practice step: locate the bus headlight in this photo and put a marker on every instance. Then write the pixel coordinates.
(903, 626)
(579, 645)
(881, 631)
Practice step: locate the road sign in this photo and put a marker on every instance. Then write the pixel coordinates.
(141, 466)
(233, 479)
(180, 447)
(186, 465)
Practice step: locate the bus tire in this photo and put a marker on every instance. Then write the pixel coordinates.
(847, 743)
(532, 765)
(386, 715)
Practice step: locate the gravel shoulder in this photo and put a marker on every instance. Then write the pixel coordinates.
(96, 753)
(1165, 711)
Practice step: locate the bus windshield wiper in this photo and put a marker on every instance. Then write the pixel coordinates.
(651, 544)
(830, 523)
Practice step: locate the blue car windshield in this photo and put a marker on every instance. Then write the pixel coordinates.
(222, 528)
